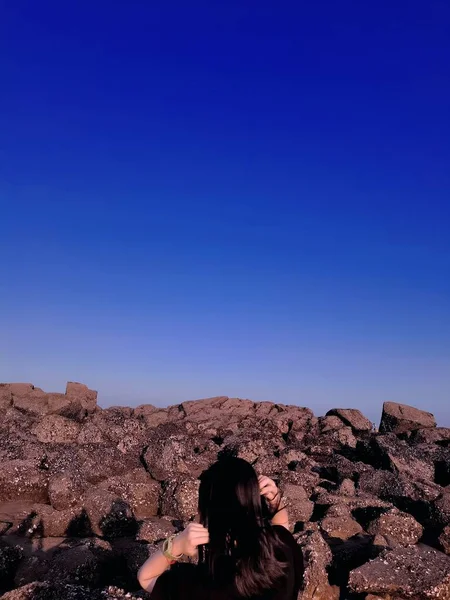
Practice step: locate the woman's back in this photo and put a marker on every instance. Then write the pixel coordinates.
(189, 582)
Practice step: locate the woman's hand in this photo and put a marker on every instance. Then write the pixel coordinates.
(268, 489)
(187, 542)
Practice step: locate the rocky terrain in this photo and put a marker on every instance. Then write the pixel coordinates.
(87, 493)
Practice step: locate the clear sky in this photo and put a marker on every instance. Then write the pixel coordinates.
(227, 198)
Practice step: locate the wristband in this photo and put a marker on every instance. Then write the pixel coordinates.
(167, 550)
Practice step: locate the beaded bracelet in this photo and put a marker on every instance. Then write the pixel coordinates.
(167, 550)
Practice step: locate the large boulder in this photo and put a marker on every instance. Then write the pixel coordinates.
(44, 521)
(78, 392)
(340, 527)
(155, 529)
(23, 480)
(300, 507)
(405, 573)
(397, 528)
(56, 429)
(65, 490)
(171, 451)
(353, 418)
(138, 490)
(28, 398)
(179, 498)
(78, 401)
(399, 418)
(317, 558)
(108, 515)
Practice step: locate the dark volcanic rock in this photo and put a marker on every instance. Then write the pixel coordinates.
(179, 497)
(416, 573)
(398, 528)
(87, 492)
(444, 539)
(352, 417)
(65, 490)
(155, 529)
(169, 453)
(9, 560)
(342, 528)
(56, 429)
(433, 435)
(300, 506)
(23, 480)
(137, 489)
(398, 418)
(316, 559)
(109, 516)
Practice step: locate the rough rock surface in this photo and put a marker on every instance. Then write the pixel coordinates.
(87, 493)
(397, 528)
(398, 418)
(352, 417)
(418, 573)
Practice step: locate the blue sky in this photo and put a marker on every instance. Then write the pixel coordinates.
(235, 198)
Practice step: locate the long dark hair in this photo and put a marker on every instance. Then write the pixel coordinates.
(243, 548)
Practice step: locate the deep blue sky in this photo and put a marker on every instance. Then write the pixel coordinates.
(240, 198)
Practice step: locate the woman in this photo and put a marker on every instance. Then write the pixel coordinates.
(242, 541)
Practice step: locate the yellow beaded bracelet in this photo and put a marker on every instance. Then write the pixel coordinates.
(167, 550)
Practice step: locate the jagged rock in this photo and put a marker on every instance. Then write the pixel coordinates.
(330, 423)
(300, 506)
(177, 453)
(398, 489)
(76, 403)
(433, 435)
(397, 528)
(30, 569)
(5, 396)
(90, 434)
(341, 528)
(56, 429)
(359, 501)
(118, 426)
(10, 557)
(138, 489)
(179, 498)
(349, 555)
(353, 418)
(151, 415)
(23, 480)
(43, 520)
(416, 573)
(103, 469)
(27, 398)
(54, 591)
(95, 462)
(444, 539)
(347, 488)
(109, 516)
(86, 397)
(442, 508)
(398, 418)
(155, 529)
(80, 564)
(65, 490)
(316, 559)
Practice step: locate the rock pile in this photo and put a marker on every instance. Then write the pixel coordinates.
(87, 493)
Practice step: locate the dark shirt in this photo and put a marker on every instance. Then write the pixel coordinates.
(184, 581)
